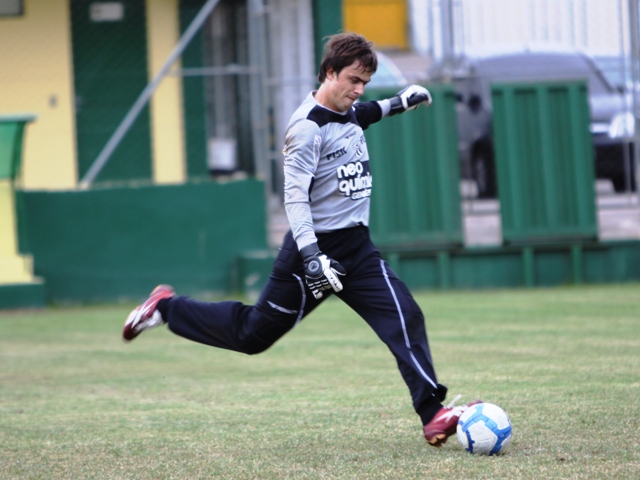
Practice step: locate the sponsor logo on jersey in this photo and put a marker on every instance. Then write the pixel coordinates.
(354, 180)
(337, 154)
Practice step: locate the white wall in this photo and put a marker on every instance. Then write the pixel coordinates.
(594, 25)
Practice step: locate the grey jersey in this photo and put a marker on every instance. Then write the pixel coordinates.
(326, 168)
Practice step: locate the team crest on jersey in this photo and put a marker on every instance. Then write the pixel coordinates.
(354, 180)
(317, 142)
(360, 146)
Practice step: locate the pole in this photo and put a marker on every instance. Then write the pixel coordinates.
(446, 25)
(634, 32)
(144, 97)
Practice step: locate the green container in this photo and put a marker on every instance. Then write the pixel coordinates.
(12, 129)
(11, 134)
(416, 175)
(545, 163)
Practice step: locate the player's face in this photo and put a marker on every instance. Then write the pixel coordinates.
(345, 88)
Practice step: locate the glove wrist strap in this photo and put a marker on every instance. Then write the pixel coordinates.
(396, 106)
(309, 250)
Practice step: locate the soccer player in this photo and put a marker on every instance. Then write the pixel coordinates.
(328, 250)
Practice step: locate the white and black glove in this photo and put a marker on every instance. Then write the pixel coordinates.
(321, 272)
(409, 98)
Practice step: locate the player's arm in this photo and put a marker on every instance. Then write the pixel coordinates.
(409, 98)
(301, 155)
(368, 113)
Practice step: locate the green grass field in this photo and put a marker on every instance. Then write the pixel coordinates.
(326, 402)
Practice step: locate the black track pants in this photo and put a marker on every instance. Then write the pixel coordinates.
(371, 288)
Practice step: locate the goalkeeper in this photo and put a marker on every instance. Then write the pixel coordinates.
(328, 250)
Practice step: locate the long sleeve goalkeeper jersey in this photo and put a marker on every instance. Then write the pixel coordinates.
(327, 180)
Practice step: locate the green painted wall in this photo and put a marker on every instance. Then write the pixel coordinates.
(119, 243)
(490, 267)
(509, 267)
(22, 295)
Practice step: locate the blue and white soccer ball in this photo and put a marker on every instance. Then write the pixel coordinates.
(484, 429)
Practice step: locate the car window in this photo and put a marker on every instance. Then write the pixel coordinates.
(616, 69)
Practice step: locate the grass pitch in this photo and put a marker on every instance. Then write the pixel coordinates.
(326, 402)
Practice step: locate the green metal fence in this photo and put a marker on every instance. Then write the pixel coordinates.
(544, 160)
(416, 175)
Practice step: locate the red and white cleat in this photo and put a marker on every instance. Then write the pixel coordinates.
(146, 316)
(444, 423)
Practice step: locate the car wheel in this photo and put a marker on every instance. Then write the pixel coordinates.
(483, 171)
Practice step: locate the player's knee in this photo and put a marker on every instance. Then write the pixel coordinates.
(256, 350)
(253, 347)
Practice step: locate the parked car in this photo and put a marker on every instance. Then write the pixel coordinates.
(388, 74)
(472, 75)
(613, 139)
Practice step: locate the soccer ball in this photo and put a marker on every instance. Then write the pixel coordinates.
(484, 429)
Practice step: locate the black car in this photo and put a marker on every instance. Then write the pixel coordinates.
(611, 127)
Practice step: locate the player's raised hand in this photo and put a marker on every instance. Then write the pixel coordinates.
(409, 98)
(321, 272)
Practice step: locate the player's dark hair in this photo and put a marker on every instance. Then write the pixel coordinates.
(342, 49)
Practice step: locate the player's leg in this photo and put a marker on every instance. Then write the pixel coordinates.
(239, 327)
(384, 301)
(285, 300)
(377, 294)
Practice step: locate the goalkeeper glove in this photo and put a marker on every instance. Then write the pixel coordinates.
(321, 272)
(409, 98)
